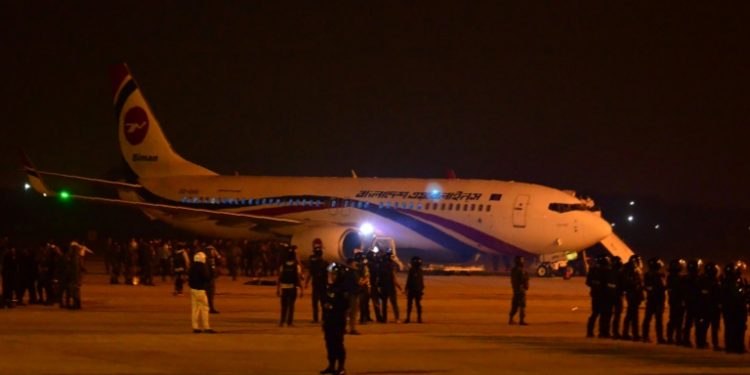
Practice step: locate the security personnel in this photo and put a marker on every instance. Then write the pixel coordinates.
(519, 281)
(676, 300)
(415, 289)
(708, 312)
(633, 272)
(655, 297)
(318, 275)
(290, 275)
(388, 286)
(353, 283)
(594, 282)
(9, 275)
(181, 263)
(618, 300)
(74, 276)
(734, 307)
(364, 292)
(373, 266)
(335, 305)
(691, 291)
(212, 263)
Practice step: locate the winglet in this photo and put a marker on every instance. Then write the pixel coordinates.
(450, 174)
(354, 174)
(35, 179)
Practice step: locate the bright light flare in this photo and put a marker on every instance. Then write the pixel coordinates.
(366, 229)
(632, 203)
(64, 195)
(631, 218)
(26, 186)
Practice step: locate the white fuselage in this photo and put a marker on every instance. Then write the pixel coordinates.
(443, 219)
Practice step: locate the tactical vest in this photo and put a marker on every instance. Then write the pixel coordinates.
(289, 277)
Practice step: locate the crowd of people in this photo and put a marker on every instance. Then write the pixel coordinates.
(47, 274)
(699, 295)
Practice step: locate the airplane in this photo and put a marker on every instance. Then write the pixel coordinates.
(451, 220)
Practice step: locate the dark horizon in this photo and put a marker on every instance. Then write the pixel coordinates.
(625, 100)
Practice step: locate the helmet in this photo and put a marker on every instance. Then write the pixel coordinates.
(337, 271)
(603, 261)
(317, 243)
(616, 263)
(200, 257)
(694, 266)
(655, 264)
(676, 265)
(416, 261)
(712, 270)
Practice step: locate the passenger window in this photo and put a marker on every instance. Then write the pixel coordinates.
(442, 207)
(466, 207)
(489, 207)
(450, 206)
(473, 206)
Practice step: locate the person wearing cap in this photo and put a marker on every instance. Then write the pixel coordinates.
(198, 280)
(73, 277)
(290, 275)
(414, 288)
(212, 264)
(318, 276)
(335, 305)
(388, 286)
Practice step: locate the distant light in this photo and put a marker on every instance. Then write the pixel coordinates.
(613, 224)
(366, 229)
(26, 186)
(657, 226)
(631, 218)
(64, 195)
(44, 195)
(375, 249)
(632, 203)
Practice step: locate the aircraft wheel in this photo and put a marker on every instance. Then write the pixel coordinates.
(542, 271)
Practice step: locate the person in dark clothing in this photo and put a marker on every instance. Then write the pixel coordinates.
(734, 307)
(10, 275)
(354, 283)
(612, 288)
(655, 297)
(73, 276)
(415, 289)
(289, 280)
(198, 280)
(364, 292)
(181, 263)
(114, 249)
(28, 275)
(335, 305)
(318, 276)
(708, 313)
(373, 267)
(46, 263)
(147, 257)
(633, 272)
(212, 263)
(594, 282)
(676, 301)
(388, 286)
(618, 299)
(691, 291)
(519, 281)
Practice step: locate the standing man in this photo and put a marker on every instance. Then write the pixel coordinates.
(734, 307)
(388, 285)
(335, 304)
(318, 275)
(634, 295)
(212, 263)
(9, 274)
(290, 275)
(181, 262)
(519, 281)
(691, 291)
(676, 301)
(353, 280)
(198, 281)
(709, 308)
(364, 294)
(594, 282)
(373, 266)
(620, 292)
(415, 289)
(655, 296)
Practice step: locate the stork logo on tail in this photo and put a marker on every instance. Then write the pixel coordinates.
(136, 125)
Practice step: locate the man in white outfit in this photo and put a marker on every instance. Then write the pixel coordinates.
(199, 281)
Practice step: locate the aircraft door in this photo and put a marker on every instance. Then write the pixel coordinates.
(519, 211)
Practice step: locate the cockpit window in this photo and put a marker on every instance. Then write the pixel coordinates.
(567, 207)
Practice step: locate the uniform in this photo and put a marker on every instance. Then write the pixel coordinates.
(415, 289)
(676, 301)
(634, 296)
(318, 277)
(618, 302)
(335, 305)
(691, 292)
(388, 287)
(594, 282)
(734, 308)
(289, 281)
(519, 281)
(655, 298)
(708, 313)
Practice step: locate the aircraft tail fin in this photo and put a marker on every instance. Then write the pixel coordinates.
(142, 142)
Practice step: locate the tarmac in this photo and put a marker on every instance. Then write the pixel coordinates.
(146, 330)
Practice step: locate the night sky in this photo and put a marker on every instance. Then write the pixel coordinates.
(623, 98)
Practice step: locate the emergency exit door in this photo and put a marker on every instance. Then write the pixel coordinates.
(519, 211)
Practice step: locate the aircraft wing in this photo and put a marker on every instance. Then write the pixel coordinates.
(223, 216)
(35, 174)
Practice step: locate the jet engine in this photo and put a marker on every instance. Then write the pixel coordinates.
(338, 242)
